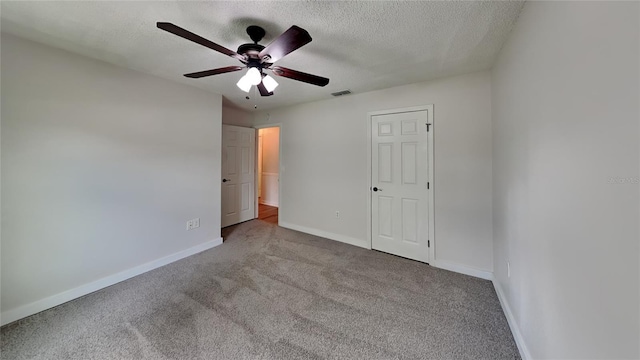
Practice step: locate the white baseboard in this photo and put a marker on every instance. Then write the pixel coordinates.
(515, 330)
(325, 234)
(462, 269)
(12, 315)
(270, 203)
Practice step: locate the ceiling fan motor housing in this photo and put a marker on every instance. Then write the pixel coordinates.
(251, 50)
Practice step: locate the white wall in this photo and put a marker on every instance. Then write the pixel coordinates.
(101, 168)
(565, 106)
(324, 164)
(270, 149)
(237, 117)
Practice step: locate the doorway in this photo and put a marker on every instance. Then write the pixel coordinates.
(401, 182)
(268, 174)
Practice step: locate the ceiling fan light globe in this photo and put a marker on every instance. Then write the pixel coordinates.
(244, 84)
(269, 83)
(254, 76)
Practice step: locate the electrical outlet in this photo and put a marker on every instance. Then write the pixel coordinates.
(337, 214)
(193, 223)
(508, 269)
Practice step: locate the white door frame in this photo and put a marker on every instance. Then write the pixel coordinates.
(264, 126)
(430, 157)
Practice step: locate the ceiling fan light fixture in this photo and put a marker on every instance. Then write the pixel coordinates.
(254, 76)
(244, 83)
(269, 83)
(254, 57)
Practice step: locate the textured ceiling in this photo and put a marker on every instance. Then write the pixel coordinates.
(361, 46)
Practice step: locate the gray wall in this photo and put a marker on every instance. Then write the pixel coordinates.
(565, 123)
(101, 168)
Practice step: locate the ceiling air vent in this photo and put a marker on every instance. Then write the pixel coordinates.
(340, 93)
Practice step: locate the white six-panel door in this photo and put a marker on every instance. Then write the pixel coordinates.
(238, 174)
(399, 180)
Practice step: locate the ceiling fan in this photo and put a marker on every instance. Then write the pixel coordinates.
(255, 57)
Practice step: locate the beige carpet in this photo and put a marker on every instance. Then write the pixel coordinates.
(273, 293)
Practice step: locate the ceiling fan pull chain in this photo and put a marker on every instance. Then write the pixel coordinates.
(255, 96)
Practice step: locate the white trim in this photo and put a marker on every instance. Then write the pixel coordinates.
(430, 172)
(256, 190)
(18, 313)
(515, 330)
(431, 177)
(402, 110)
(462, 269)
(325, 234)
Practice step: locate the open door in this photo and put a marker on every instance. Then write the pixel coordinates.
(238, 174)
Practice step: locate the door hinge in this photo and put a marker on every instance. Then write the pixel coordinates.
(429, 243)
(427, 185)
(428, 125)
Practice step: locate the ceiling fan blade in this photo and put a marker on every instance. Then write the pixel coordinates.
(292, 39)
(300, 76)
(223, 70)
(263, 90)
(177, 30)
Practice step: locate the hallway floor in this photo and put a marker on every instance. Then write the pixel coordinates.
(268, 213)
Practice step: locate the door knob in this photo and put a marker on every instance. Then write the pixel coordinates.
(376, 189)
(225, 180)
